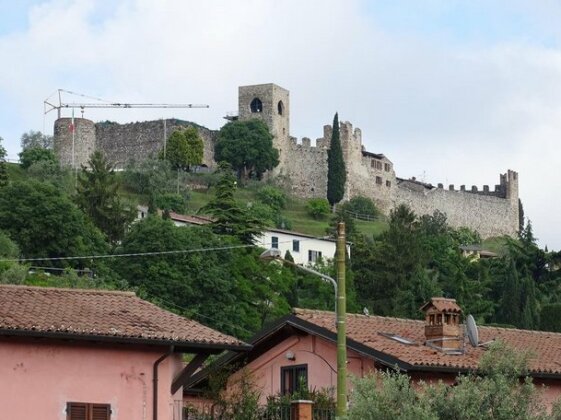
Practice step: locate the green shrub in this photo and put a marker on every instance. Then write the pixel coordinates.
(272, 196)
(171, 202)
(318, 208)
(361, 208)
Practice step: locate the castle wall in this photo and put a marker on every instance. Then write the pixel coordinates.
(122, 143)
(306, 169)
(74, 147)
(487, 213)
(303, 166)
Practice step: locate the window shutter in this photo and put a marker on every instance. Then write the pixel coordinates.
(101, 412)
(87, 411)
(76, 411)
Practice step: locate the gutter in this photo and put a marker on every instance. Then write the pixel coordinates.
(155, 382)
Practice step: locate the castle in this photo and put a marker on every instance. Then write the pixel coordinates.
(491, 212)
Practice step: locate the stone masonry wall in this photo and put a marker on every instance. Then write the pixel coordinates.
(489, 215)
(122, 143)
(84, 141)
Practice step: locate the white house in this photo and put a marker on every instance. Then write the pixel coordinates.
(305, 249)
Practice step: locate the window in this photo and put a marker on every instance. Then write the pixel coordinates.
(387, 167)
(388, 184)
(313, 256)
(379, 180)
(274, 242)
(280, 108)
(294, 379)
(87, 411)
(295, 245)
(376, 164)
(256, 105)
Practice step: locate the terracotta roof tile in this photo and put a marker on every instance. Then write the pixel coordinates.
(443, 305)
(544, 347)
(84, 313)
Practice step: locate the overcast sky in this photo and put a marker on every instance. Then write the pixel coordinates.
(451, 91)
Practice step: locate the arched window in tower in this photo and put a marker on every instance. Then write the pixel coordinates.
(256, 105)
(280, 108)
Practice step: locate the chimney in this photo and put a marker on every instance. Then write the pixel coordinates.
(442, 324)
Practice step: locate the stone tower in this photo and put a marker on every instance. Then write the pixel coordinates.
(271, 104)
(74, 143)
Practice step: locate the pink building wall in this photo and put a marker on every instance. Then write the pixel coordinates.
(321, 357)
(38, 378)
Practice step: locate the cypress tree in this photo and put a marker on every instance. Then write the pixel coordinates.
(336, 173)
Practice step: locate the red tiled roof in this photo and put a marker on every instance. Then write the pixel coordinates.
(544, 347)
(191, 219)
(120, 316)
(442, 304)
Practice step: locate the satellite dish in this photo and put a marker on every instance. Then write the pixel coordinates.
(472, 332)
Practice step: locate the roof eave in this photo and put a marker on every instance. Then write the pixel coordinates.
(180, 346)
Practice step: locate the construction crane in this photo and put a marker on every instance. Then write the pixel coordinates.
(49, 106)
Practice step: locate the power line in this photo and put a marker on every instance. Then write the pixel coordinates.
(143, 254)
(135, 254)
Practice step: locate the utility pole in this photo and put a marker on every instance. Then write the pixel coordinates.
(341, 411)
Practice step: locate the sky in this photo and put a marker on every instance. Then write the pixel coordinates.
(452, 92)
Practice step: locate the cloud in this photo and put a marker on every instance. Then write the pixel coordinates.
(441, 107)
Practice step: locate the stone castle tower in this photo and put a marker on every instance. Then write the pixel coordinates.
(271, 104)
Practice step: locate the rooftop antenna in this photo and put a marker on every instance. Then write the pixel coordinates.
(472, 331)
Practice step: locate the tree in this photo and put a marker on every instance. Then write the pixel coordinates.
(3, 171)
(227, 289)
(184, 149)
(47, 223)
(248, 147)
(32, 155)
(362, 208)
(36, 139)
(494, 393)
(97, 195)
(318, 208)
(229, 217)
(336, 172)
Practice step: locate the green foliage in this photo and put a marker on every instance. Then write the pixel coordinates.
(3, 171)
(248, 147)
(496, 393)
(171, 202)
(361, 208)
(48, 171)
(229, 217)
(36, 139)
(184, 149)
(227, 289)
(10, 271)
(336, 172)
(414, 260)
(8, 248)
(272, 196)
(47, 223)
(318, 208)
(97, 195)
(35, 154)
(550, 317)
